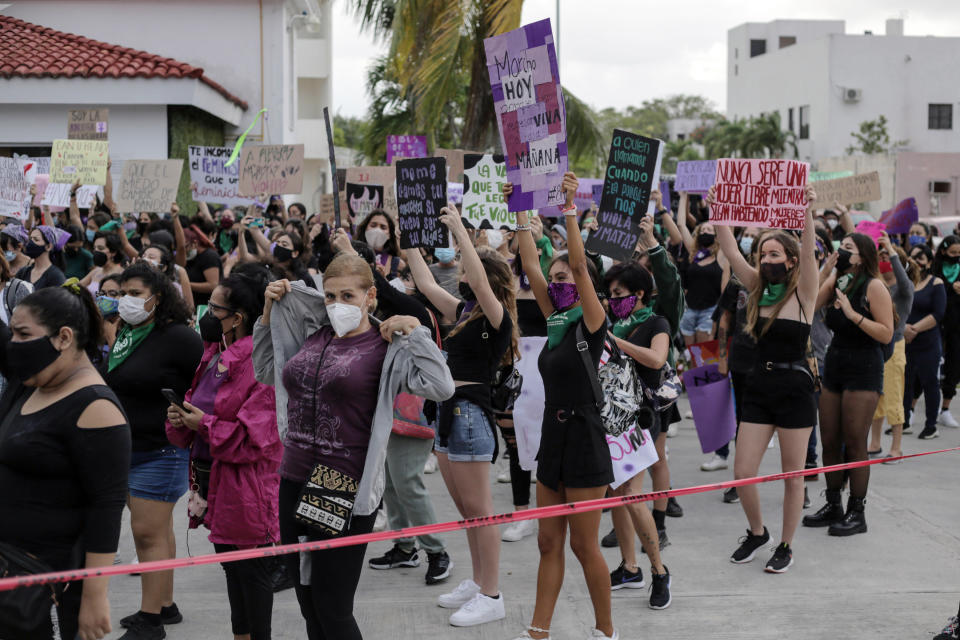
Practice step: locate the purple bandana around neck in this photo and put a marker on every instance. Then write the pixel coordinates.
(700, 255)
(563, 294)
(622, 307)
(467, 308)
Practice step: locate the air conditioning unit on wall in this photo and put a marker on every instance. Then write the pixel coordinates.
(938, 187)
(852, 95)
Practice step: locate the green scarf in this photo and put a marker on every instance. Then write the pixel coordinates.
(772, 294)
(951, 271)
(559, 323)
(128, 339)
(848, 285)
(623, 328)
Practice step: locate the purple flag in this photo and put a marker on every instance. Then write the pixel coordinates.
(901, 217)
(711, 401)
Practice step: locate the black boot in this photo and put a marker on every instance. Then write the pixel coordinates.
(828, 514)
(853, 520)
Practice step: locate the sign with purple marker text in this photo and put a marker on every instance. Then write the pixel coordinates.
(362, 199)
(528, 101)
(271, 169)
(216, 182)
(760, 193)
(901, 217)
(630, 453)
(87, 124)
(406, 147)
(421, 194)
(695, 176)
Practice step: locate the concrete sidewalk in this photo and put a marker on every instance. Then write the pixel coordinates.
(901, 580)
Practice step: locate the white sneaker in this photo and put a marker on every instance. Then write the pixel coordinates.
(517, 531)
(459, 596)
(716, 463)
(478, 610)
(946, 419)
(688, 414)
(431, 465)
(596, 634)
(673, 430)
(526, 636)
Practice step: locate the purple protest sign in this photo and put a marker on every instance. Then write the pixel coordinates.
(695, 176)
(901, 217)
(525, 81)
(665, 192)
(711, 401)
(406, 147)
(584, 198)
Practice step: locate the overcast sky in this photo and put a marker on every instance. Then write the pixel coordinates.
(616, 53)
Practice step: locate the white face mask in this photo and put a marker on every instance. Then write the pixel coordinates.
(131, 310)
(494, 238)
(344, 318)
(376, 237)
(191, 254)
(831, 223)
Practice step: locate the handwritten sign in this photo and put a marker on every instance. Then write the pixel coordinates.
(271, 169)
(760, 193)
(483, 178)
(817, 176)
(421, 193)
(632, 169)
(399, 147)
(873, 229)
(14, 189)
(901, 217)
(362, 199)
(528, 101)
(630, 453)
(215, 181)
(695, 176)
(385, 177)
(87, 124)
(57, 195)
(616, 236)
(711, 401)
(864, 187)
(148, 185)
(83, 160)
(454, 158)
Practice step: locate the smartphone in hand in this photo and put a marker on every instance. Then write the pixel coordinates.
(173, 398)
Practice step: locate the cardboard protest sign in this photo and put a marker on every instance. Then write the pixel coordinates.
(275, 169)
(483, 179)
(528, 409)
(864, 187)
(57, 194)
(901, 217)
(630, 453)
(873, 229)
(362, 199)
(454, 158)
(148, 185)
(528, 101)
(760, 193)
(83, 160)
(216, 182)
(421, 193)
(817, 176)
(584, 198)
(399, 147)
(711, 402)
(14, 189)
(87, 124)
(695, 176)
(386, 177)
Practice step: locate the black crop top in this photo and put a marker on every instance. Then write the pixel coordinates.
(530, 319)
(474, 353)
(64, 487)
(846, 333)
(784, 341)
(565, 381)
(703, 285)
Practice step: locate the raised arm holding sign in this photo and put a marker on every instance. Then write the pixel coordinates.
(421, 194)
(760, 193)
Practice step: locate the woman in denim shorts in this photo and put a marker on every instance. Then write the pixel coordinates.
(706, 276)
(484, 338)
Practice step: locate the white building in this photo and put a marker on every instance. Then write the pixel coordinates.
(238, 56)
(824, 82)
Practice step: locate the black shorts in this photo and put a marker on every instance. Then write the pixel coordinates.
(784, 398)
(847, 369)
(573, 449)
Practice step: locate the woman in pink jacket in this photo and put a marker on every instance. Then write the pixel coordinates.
(228, 419)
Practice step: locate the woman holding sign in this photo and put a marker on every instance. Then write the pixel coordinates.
(574, 460)
(779, 390)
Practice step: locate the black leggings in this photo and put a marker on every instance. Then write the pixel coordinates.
(250, 591)
(327, 604)
(922, 370)
(519, 479)
(951, 360)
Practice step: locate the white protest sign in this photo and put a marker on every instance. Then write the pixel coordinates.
(57, 194)
(14, 189)
(483, 179)
(216, 182)
(630, 453)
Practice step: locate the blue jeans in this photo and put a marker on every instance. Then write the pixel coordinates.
(161, 474)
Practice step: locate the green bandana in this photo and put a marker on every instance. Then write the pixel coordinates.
(623, 328)
(772, 294)
(847, 284)
(559, 322)
(128, 339)
(951, 271)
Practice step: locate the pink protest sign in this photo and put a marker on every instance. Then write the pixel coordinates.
(901, 217)
(406, 147)
(760, 193)
(873, 229)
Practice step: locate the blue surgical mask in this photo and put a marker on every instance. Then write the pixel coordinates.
(108, 306)
(915, 240)
(445, 254)
(10, 255)
(746, 245)
(585, 233)
(91, 235)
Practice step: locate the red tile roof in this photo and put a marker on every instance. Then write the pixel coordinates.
(32, 51)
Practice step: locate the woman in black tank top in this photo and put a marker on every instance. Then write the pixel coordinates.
(778, 395)
(861, 315)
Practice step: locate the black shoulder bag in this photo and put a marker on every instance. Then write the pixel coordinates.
(28, 608)
(506, 380)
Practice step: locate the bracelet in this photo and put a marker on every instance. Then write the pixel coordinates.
(861, 319)
(523, 227)
(568, 210)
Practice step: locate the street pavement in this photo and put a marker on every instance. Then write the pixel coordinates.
(900, 580)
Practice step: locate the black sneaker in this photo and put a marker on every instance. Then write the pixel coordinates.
(951, 631)
(438, 567)
(396, 557)
(168, 615)
(139, 628)
(674, 510)
(929, 433)
(660, 590)
(610, 540)
(781, 560)
(664, 540)
(621, 578)
(730, 496)
(748, 546)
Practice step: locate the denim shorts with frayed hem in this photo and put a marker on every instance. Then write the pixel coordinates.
(471, 436)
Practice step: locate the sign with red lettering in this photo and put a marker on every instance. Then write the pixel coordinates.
(760, 193)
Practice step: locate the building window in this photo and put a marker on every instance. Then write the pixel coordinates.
(790, 119)
(736, 70)
(681, 136)
(786, 41)
(757, 48)
(736, 53)
(805, 122)
(940, 116)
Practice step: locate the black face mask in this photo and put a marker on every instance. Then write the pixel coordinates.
(466, 292)
(99, 258)
(211, 328)
(282, 254)
(951, 259)
(27, 359)
(34, 250)
(774, 272)
(843, 260)
(142, 227)
(706, 240)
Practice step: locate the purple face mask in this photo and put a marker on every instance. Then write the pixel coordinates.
(563, 294)
(622, 307)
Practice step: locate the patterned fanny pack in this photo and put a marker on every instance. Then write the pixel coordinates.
(326, 501)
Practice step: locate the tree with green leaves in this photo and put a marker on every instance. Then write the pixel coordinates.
(756, 137)
(874, 138)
